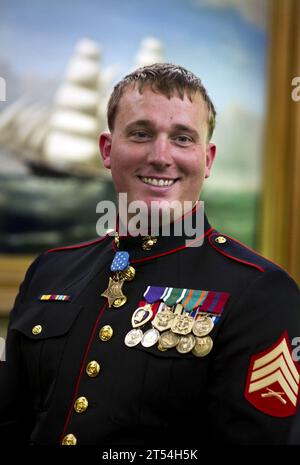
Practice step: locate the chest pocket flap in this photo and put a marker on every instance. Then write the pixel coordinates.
(43, 320)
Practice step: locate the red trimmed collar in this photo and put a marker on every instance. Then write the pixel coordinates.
(166, 244)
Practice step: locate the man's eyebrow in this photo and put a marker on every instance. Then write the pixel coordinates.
(140, 123)
(183, 127)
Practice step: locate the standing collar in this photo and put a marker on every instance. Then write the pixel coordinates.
(189, 230)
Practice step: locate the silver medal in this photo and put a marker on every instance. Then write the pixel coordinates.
(133, 337)
(150, 337)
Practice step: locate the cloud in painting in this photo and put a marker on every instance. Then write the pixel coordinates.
(253, 11)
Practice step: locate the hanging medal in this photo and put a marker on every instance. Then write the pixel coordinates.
(141, 316)
(122, 271)
(153, 296)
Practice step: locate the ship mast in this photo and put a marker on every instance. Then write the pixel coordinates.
(74, 126)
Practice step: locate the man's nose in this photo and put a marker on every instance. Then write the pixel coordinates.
(160, 152)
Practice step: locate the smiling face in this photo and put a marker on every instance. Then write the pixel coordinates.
(158, 148)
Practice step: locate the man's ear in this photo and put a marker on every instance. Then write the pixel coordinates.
(105, 148)
(210, 156)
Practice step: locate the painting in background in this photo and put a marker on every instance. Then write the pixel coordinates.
(60, 60)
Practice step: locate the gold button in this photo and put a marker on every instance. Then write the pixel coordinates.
(69, 440)
(81, 404)
(106, 333)
(37, 329)
(220, 239)
(129, 273)
(148, 242)
(120, 301)
(92, 369)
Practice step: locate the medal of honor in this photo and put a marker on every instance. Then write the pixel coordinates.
(203, 346)
(122, 272)
(203, 326)
(114, 293)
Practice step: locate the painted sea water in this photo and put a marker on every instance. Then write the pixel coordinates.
(38, 213)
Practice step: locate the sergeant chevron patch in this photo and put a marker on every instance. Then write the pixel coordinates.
(273, 380)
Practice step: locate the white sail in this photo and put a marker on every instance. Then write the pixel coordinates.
(26, 123)
(70, 149)
(76, 123)
(83, 68)
(8, 120)
(38, 135)
(72, 140)
(77, 97)
(150, 52)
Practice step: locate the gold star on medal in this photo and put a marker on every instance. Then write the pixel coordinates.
(114, 291)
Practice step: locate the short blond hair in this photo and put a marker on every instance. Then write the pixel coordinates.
(164, 78)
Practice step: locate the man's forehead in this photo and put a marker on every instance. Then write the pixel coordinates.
(134, 100)
(133, 91)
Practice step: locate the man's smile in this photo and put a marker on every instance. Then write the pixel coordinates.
(158, 182)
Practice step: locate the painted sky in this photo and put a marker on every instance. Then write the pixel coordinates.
(221, 41)
(224, 42)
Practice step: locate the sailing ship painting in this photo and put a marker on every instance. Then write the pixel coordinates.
(56, 178)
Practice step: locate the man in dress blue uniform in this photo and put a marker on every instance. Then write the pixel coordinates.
(134, 339)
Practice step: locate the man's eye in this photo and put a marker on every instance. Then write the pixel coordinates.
(139, 136)
(183, 140)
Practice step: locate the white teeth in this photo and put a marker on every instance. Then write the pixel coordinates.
(158, 182)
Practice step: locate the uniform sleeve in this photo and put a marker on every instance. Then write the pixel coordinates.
(15, 414)
(294, 437)
(255, 377)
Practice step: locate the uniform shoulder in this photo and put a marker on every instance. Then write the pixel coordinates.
(238, 252)
(81, 245)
